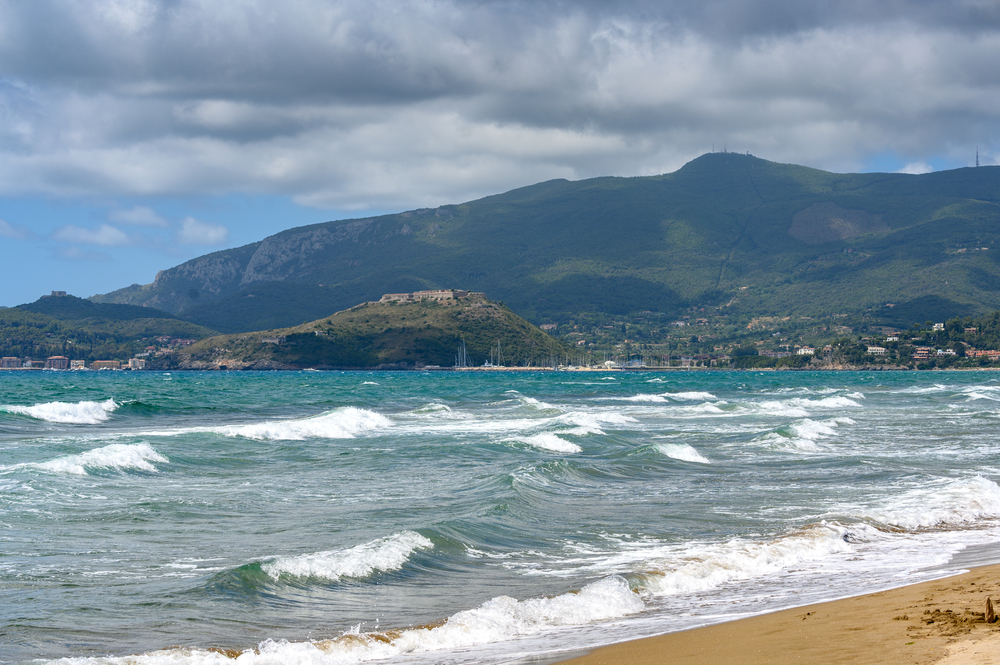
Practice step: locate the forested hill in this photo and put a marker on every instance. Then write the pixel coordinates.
(467, 330)
(83, 330)
(766, 239)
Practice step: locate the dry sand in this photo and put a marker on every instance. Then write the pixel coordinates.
(932, 622)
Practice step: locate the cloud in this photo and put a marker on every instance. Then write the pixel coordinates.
(105, 235)
(193, 232)
(376, 104)
(8, 230)
(916, 168)
(138, 216)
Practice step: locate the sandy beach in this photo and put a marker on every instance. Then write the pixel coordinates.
(933, 622)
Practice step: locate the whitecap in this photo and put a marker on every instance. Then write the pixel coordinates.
(381, 555)
(803, 435)
(709, 566)
(942, 504)
(549, 441)
(117, 457)
(79, 413)
(532, 402)
(838, 402)
(681, 451)
(776, 408)
(654, 399)
(343, 423)
(707, 407)
(693, 395)
(592, 423)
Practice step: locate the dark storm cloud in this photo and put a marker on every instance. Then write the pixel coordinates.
(388, 104)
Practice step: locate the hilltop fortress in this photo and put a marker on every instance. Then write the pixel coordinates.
(440, 294)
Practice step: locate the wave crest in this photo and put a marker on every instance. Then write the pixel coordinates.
(76, 413)
(382, 555)
(344, 423)
(682, 452)
(116, 457)
(956, 503)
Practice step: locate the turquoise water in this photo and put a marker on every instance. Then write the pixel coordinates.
(309, 517)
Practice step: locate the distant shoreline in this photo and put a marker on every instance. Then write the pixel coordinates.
(516, 369)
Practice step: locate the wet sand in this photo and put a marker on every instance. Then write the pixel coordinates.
(931, 622)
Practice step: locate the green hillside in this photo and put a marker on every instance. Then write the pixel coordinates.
(763, 238)
(394, 334)
(84, 330)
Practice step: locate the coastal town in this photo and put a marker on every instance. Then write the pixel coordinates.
(164, 346)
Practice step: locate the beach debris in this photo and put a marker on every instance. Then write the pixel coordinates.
(991, 616)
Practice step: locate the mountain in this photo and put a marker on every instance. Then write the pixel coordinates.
(763, 238)
(69, 308)
(390, 334)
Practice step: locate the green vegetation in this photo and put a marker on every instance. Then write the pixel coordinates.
(388, 335)
(82, 330)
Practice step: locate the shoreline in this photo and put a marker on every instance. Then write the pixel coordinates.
(940, 621)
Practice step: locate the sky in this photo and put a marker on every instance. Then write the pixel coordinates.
(138, 134)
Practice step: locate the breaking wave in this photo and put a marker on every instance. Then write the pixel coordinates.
(114, 457)
(344, 423)
(382, 555)
(681, 451)
(551, 442)
(711, 565)
(77, 413)
(954, 503)
(803, 435)
(498, 619)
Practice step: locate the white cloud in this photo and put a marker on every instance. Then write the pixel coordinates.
(105, 235)
(916, 168)
(138, 216)
(193, 232)
(8, 230)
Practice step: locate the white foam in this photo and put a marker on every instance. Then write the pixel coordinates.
(654, 399)
(973, 395)
(685, 396)
(706, 408)
(838, 402)
(776, 408)
(381, 555)
(344, 423)
(532, 402)
(592, 423)
(549, 441)
(953, 503)
(501, 618)
(681, 451)
(117, 456)
(805, 435)
(80, 413)
(711, 565)
(936, 388)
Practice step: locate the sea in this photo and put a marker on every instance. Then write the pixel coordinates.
(457, 517)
